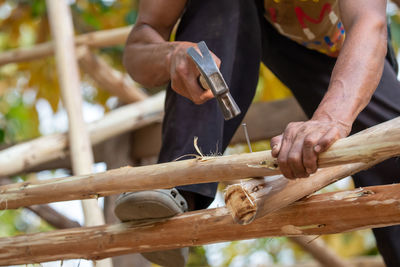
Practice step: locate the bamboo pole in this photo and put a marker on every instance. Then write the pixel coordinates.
(108, 78)
(15, 159)
(93, 40)
(382, 138)
(356, 209)
(67, 66)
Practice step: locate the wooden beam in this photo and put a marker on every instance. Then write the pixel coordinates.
(147, 141)
(382, 138)
(254, 198)
(60, 21)
(108, 78)
(320, 251)
(52, 217)
(16, 159)
(93, 40)
(355, 209)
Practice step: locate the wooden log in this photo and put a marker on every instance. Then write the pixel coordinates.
(48, 214)
(146, 141)
(16, 159)
(108, 78)
(355, 209)
(52, 217)
(255, 198)
(93, 40)
(320, 251)
(200, 170)
(61, 27)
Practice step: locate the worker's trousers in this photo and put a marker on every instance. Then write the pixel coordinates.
(237, 33)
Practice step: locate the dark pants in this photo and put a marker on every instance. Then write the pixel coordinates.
(237, 33)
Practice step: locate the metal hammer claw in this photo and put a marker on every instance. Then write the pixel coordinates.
(213, 77)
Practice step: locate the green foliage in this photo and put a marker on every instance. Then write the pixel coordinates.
(197, 257)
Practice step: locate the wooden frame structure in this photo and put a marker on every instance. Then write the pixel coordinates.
(357, 209)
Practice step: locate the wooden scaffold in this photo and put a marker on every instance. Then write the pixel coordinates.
(266, 207)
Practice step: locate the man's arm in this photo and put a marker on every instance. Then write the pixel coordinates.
(153, 61)
(354, 79)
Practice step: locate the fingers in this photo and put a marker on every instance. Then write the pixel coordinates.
(276, 145)
(298, 147)
(309, 153)
(184, 75)
(327, 140)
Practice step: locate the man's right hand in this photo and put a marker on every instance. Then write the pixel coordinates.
(185, 75)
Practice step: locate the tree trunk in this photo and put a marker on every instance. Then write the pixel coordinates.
(368, 207)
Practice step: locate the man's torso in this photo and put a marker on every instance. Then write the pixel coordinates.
(313, 23)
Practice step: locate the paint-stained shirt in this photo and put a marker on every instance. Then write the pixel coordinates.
(313, 23)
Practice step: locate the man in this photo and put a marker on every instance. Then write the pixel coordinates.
(332, 54)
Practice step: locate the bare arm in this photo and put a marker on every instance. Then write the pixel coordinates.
(152, 61)
(354, 79)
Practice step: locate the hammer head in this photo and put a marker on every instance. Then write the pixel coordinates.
(213, 77)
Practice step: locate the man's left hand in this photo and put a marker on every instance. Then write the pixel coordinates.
(298, 147)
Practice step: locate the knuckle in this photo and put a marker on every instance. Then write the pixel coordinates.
(181, 69)
(294, 157)
(309, 142)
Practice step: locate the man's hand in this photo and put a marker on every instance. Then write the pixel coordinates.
(184, 74)
(298, 147)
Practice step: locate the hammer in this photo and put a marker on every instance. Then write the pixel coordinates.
(211, 78)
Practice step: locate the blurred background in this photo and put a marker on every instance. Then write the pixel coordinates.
(30, 106)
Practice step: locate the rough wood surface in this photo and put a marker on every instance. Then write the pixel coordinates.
(108, 78)
(60, 21)
(200, 170)
(254, 198)
(16, 159)
(355, 209)
(93, 40)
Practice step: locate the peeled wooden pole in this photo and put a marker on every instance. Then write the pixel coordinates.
(254, 198)
(320, 251)
(67, 66)
(93, 40)
(16, 159)
(108, 78)
(382, 138)
(356, 209)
